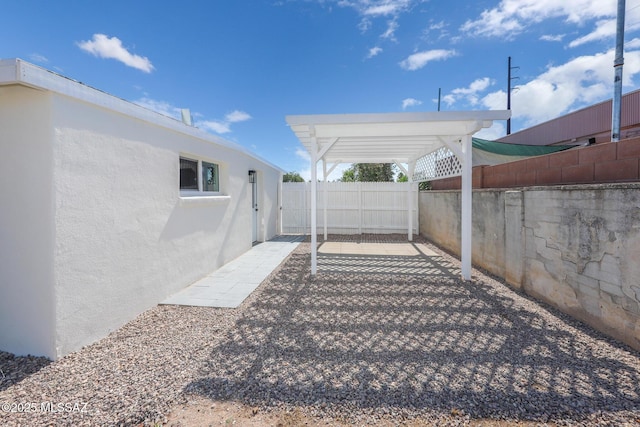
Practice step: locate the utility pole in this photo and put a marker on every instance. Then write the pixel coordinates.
(509, 78)
(618, 62)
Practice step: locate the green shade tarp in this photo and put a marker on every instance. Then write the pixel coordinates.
(516, 149)
(489, 153)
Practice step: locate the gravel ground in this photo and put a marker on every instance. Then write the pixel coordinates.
(410, 344)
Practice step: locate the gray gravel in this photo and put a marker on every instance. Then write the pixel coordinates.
(349, 346)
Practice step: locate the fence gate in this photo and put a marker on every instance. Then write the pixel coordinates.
(352, 207)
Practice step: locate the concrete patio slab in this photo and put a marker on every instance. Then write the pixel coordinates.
(382, 258)
(229, 285)
(353, 248)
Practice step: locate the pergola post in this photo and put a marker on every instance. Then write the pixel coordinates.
(467, 205)
(409, 211)
(314, 202)
(326, 191)
(279, 221)
(409, 174)
(411, 168)
(325, 197)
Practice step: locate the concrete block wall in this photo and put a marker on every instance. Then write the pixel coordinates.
(600, 163)
(575, 247)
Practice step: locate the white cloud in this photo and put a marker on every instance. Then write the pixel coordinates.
(374, 51)
(237, 116)
(303, 154)
(224, 126)
(410, 102)
(103, 46)
(36, 57)
(495, 100)
(604, 29)
(470, 93)
(497, 130)
(392, 26)
(449, 99)
(493, 23)
(436, 31)
(420, 59)
(476, 86)
(377, 8)
(383, 10)
(437, 26)
(364, 25)
(217, 126)
(161, 107)
(552, 37)
(371, 9)
(579, 82)
(511, 17)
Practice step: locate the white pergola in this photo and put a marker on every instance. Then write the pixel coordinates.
(401, 138)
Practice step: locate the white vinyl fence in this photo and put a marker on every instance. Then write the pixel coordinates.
(352, 207)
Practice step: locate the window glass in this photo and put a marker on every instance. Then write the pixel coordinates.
(188, 174)
(210, 177)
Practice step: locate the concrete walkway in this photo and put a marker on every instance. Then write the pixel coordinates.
(389, 249)
(229, 285)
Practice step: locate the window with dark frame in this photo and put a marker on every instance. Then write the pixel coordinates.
(188, 174)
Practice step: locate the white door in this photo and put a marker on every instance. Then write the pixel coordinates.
(254, 207)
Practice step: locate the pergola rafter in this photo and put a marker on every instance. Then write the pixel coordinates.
(401, 138)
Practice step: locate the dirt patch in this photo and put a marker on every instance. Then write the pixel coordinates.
(202, 412)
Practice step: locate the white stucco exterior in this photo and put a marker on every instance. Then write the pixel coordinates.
(93, 228)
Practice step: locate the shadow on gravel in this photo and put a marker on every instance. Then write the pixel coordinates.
(14, 369)
(413, 265)
(413, 345)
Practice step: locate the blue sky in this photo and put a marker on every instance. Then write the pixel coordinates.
(242, 66)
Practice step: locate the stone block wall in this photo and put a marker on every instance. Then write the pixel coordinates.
(575, 247)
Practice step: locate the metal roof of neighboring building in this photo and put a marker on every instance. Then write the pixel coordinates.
(581, 125)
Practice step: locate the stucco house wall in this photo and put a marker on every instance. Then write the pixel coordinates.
(97, 229)
(27, 318)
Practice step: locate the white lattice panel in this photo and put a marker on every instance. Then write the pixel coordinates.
(442, 163)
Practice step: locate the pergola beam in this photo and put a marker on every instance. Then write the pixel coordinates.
(400, 166)
(326, 147)
(450, 143)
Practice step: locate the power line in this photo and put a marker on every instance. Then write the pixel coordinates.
(632, 8)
